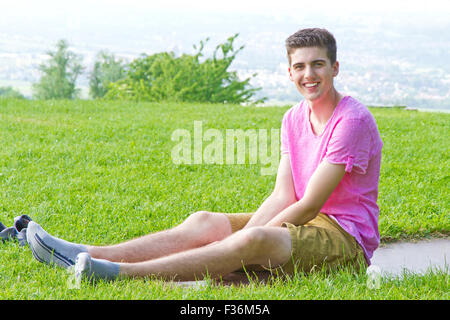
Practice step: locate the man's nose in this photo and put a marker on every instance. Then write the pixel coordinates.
(309, 72)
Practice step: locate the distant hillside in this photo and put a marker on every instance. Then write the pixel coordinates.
(384, 61)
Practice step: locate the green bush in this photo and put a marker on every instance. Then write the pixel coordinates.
(163, 76)
(9, 92)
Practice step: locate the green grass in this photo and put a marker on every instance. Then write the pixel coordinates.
(101, 173)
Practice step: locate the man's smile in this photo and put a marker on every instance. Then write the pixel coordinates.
(311, 84)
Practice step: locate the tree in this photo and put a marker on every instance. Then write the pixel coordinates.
(59, 74)
(106, 70)
(163, 76)
(9, 92)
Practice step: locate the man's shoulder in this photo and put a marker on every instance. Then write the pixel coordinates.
(356, 113)
(353, 109)
(294, 111)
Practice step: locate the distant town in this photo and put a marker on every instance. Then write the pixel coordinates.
(394, 67)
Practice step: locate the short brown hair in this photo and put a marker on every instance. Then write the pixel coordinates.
(312, 37)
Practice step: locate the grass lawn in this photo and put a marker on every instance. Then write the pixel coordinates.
(102, 172)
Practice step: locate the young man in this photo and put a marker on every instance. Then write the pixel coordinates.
(322, 211)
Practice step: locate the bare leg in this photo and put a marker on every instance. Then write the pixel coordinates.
(257, 245)
(199, 229)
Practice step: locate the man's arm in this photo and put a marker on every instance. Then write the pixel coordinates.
(320, 186)
(281, 197)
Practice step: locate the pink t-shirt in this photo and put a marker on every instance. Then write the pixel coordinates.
(350, 137)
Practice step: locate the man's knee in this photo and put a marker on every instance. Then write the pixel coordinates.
(203, 219)
(251, 239)
(259, 244)
(212, 225)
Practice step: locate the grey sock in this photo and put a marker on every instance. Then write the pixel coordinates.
(51, 250)
(87, 267)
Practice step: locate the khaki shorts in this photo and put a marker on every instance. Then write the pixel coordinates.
(320, 243)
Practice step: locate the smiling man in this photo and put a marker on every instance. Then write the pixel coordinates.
(322, 211)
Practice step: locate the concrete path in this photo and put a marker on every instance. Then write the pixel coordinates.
(415, 257)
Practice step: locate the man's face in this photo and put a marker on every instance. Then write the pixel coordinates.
(312, 72)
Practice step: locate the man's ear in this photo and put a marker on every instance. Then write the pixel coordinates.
(290, 74)
(335, 69)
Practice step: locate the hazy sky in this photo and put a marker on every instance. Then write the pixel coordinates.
(51, 19)
(233, 5)
(50, 8)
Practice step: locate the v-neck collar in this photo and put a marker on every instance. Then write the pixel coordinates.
(308, 114)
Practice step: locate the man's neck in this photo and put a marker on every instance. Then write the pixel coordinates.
(322, 110)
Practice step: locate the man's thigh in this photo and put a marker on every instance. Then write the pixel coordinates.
(261, 245)
(238, 222)
(277, 241)
(320, 242)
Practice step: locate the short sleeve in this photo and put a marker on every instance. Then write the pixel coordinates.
(350, 144)
(284, 136)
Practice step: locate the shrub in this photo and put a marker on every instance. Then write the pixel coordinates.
(9, 92)
(163, 76)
